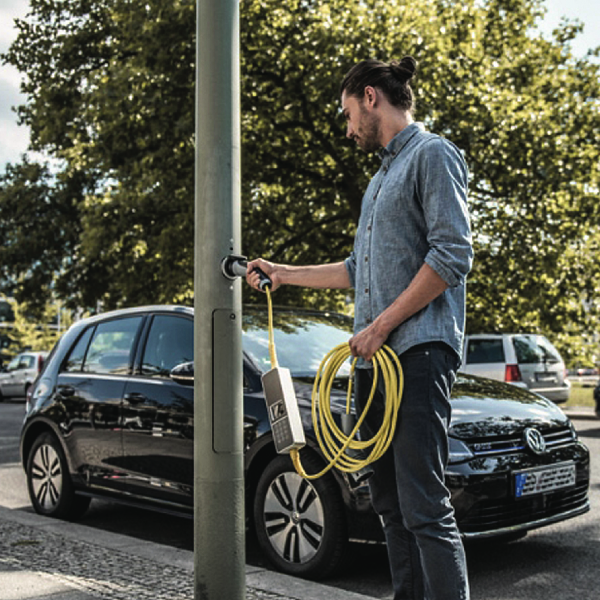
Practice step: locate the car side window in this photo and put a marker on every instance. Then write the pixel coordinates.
(74, 362)
(13, 365)
(170, 343)
(485, 351)
(110, 350)
(26, 362)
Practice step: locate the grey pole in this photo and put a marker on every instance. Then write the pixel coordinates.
(219, 545)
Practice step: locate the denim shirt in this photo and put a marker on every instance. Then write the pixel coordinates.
(414, 211)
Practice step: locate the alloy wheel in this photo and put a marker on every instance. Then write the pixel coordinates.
(294, 518)
(46, 477)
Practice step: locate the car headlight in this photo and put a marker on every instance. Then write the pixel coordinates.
(459, 451)
(573, 431)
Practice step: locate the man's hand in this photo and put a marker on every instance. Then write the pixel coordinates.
(366, 343)
(268, 268)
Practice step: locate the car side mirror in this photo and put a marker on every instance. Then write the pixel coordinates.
(183, 373)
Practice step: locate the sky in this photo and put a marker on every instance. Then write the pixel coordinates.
(14, 139)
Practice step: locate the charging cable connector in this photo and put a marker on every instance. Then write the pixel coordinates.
(234, 266)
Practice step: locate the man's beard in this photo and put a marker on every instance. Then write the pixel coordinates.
(368, 134)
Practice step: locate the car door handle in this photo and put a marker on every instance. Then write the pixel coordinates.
(66, 390)
(135, 398)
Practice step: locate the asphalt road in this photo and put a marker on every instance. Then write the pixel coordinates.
(559, 562)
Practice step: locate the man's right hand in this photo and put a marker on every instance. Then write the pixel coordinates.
(268, 268)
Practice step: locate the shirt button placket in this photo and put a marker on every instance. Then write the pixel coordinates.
(368, 270)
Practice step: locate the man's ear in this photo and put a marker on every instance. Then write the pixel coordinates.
(370, 96)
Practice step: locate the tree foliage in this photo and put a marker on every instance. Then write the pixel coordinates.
(110, 93)
(110, 89)
(35, 333)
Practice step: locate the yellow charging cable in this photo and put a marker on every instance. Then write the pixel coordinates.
(342, 450)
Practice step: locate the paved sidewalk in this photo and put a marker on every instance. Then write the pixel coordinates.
(47, 559)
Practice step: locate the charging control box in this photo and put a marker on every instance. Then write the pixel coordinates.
(282, 406)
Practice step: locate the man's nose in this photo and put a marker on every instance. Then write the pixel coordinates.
(349, 131)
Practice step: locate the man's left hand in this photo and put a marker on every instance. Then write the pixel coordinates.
(366, 343)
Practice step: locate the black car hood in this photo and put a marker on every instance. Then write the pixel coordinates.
(483, 407)
(480, 407)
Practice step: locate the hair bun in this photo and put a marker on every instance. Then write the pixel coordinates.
(404, 69)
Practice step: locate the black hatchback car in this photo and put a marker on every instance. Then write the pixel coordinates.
(109, 417)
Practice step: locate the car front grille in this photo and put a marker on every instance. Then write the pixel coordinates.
(511, 444)
(494, 514)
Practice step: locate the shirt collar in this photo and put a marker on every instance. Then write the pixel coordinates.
(400, 140)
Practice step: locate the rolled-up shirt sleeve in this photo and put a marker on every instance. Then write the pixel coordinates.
(442, 184)
(350, 263)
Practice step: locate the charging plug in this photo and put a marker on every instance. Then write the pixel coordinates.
(360, 477)
(233, 266)
(348, 423)
(356, 479)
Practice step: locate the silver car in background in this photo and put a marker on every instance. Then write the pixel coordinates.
(20, 373)
(523, 359)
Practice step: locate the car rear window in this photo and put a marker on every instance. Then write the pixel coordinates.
(531, 349)
(485, 351)
(110, 348)
(75, 361)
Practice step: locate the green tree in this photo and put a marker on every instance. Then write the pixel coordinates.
(36, 333)
(110, 93)
(39, 229)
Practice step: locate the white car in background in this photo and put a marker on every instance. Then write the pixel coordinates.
(523, 359)
(20, 373)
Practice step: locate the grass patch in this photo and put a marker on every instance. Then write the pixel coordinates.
(580, 396)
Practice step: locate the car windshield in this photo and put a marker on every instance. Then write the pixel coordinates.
(535, 349)
(301, 339)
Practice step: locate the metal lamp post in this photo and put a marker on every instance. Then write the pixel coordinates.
(219, 546)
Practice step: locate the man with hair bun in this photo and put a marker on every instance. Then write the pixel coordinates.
(411, 257)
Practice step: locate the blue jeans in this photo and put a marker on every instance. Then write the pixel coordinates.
(425, 551)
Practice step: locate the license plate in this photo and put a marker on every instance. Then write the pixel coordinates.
(546, 378)
(544, 479)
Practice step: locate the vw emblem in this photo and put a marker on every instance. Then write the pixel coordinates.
(534, 440)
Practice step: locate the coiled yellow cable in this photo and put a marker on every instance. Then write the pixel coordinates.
(340, 450)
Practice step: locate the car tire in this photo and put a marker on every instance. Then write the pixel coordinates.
(49, 483)
(300, 524)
